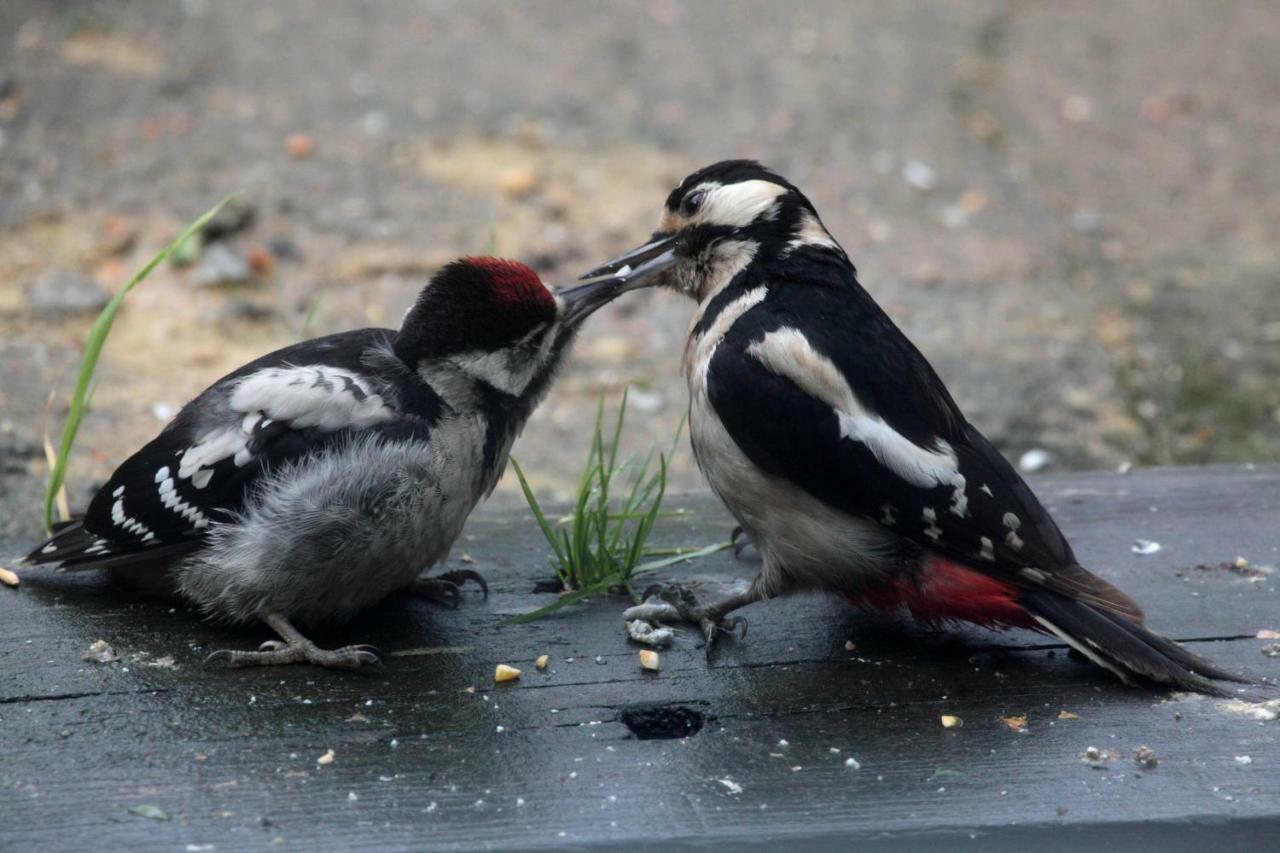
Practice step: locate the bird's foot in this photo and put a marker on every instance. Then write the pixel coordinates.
(675, 602)
(446, 587)
(740, 541)
(282, 653)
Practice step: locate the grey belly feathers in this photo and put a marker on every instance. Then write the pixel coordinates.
(336, 532)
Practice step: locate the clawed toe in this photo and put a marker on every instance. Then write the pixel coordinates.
(277, 653)
(461, 576)
(738, 539)
(677, 602)
(445, 588)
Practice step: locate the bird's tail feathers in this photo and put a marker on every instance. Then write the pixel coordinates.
(1124, 647)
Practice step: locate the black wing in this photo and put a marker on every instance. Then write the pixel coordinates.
(817, 385)
(199, 470)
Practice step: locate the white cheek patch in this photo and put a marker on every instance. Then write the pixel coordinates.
(788, 353)
(510, 370)
(738, 204)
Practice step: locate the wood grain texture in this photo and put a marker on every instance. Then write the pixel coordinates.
(230, 756)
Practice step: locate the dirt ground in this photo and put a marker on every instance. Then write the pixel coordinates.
(1073, 209)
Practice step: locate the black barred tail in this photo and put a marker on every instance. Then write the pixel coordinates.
(74, 549)
(1122, 646)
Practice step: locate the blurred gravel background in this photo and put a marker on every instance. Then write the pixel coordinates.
(1073, 209)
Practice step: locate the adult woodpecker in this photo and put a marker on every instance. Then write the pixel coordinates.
(317, 480)
(840, 452)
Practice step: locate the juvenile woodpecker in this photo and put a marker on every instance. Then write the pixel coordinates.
(312, 483)
(842, 455)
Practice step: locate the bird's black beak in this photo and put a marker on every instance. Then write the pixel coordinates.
(635, 269)
(640, 266)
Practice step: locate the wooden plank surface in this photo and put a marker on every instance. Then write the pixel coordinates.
(553, 759)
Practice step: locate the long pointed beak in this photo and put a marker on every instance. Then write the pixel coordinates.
(630, 271)
(638, 267)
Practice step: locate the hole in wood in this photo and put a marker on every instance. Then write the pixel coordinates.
(662, 722)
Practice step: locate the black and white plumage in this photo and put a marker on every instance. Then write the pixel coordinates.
(315, 481)
(839, 450)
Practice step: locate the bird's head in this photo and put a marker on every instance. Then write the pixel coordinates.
(495, 321)
(715, 223)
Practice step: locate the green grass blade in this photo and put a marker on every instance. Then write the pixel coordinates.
(547, 530)
(655, 565)
(93, 350)
(565, 600)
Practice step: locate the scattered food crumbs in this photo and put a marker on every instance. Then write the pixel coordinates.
(166, 662)
(849, 646)
(467, 558)
(8, 577)
(641, 631)
(542, 661)
(1145, 757)
(352, 796)
(1146, 547)
(783, 742)
(326, 759)
(951, 722)
(100, 652)
(1268, 634)
(468, 690)
(150, 812)
(734, 787)
(1096, 757)
(1244, 760)
(1013, 724)
(834, 750)
(1265, 711)
(503, 673)
(357, 718)
(650, 660)
(500, 729)
(1067, 715)
(852, 764)
(653, 609)
(796, 768)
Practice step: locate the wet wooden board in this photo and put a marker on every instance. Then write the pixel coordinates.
(230, 757)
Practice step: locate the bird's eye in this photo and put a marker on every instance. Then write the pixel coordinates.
(693, 201)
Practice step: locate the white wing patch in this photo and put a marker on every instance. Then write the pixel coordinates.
(328, 398)
(315, 396)
(788, 353)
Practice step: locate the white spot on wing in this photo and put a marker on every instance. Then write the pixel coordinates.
(173, 501)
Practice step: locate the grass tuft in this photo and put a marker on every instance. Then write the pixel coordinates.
(600, 544)
(92, 351)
